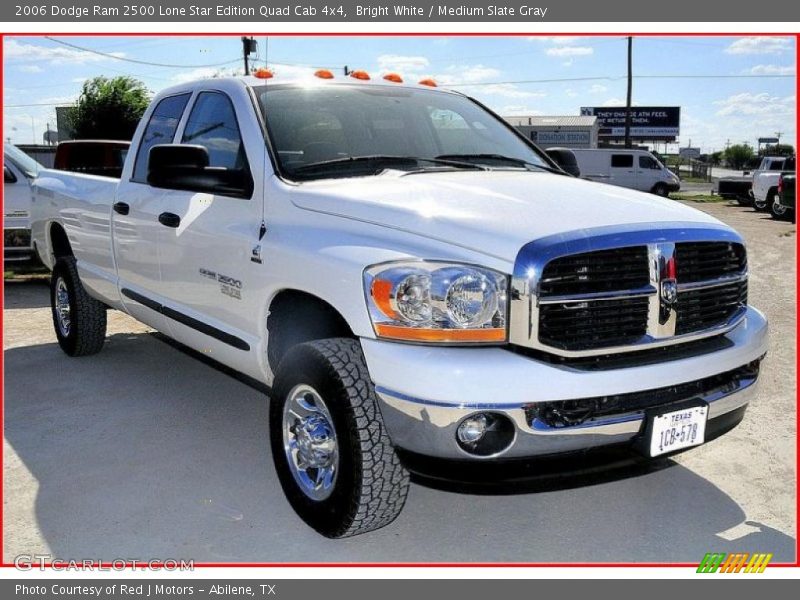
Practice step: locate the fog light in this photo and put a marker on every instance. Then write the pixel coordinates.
(485, 434)
(472, 429)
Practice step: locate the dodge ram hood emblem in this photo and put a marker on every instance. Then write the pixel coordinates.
(669, 291)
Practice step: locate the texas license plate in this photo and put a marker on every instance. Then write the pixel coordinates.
(677, 430)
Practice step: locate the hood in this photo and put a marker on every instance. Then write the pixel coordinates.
(491, 212)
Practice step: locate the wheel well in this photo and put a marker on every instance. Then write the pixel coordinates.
(59, 242)
(296, 317)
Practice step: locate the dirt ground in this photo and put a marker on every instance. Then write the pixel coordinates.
(144, 452)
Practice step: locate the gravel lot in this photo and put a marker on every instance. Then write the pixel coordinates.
(144, 452)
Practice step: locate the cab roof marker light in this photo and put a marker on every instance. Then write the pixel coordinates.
(393, 77)
(359, 74)
(262, 73)
(428, 81)
(323, 74)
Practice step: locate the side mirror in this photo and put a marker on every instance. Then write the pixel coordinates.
(186, 167)
(565, 159)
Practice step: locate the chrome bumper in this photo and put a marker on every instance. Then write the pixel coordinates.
(409, 380)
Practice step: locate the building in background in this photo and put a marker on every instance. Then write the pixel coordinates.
(560, 131)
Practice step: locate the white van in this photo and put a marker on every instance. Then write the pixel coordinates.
(635, 169)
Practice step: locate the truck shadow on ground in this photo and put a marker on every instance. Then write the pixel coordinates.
(144, 452)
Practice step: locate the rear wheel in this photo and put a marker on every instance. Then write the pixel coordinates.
(332, 453)
(763, 205)
(79, 320)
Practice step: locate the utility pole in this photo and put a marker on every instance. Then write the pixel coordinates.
(346, 71)
(249, 46)
(630, 94)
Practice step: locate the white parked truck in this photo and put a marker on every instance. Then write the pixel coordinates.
(19, 170)
(766, 178)
(417, 283)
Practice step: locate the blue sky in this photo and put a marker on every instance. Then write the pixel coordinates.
(507, 73)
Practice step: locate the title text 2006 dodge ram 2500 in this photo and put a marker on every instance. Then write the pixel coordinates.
(413, 279)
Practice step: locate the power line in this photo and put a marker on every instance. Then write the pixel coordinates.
(139, 62)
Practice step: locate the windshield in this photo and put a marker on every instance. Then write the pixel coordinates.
(350, 130)
(22, 161)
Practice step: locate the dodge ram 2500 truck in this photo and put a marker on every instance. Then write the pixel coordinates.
(414, 280)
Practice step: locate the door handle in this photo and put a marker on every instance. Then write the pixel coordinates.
(122, 208)
(169, 219)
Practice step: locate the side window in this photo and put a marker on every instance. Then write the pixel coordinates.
(622, 161)
(160, 130)
(212, 123)
(8, 175)
(647, 162)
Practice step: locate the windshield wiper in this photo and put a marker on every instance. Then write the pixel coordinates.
(520, 162)
(381, 161)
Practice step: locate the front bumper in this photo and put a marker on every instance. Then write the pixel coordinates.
(425, 392)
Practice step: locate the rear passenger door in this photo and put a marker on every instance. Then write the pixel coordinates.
(622, 171)
(134, 217)
(207, 280)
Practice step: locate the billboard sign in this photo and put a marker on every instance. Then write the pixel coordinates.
(654, 123)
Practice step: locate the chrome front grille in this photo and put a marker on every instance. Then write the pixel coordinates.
(614, 291)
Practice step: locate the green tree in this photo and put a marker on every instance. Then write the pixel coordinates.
(109, 108)
(738, 155)
(715, 158)
(778, 150)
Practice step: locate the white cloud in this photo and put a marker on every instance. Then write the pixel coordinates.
(466, 78)
(204, 73)
(614, 102)
(556, 40)
(567, 51)
(597, 89)
(401, 63)
(509, 90)
(570, 93)
(467, 74)
(756, 104)
(30, 69)
(515, 110)
(54, 55)
(771, 70)
(760, 45)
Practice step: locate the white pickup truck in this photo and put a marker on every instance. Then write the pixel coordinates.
(765, 180)
(419, 286)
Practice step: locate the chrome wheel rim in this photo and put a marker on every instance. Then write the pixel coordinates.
(62, 308)
(309, 441)
(779, 209)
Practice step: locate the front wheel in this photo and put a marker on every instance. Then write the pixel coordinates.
(332, 453)
(79, 319)
(660, 189)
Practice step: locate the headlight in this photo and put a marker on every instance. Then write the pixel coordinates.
(437, 302)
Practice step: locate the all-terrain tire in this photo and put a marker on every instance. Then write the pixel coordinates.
(371, 484)
(84, 331)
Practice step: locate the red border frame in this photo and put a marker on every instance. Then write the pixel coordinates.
(107, 565)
